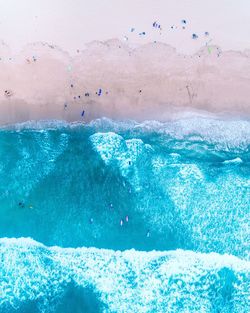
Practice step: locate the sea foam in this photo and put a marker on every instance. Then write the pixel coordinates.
(129, 281)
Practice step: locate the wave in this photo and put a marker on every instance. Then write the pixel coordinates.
(128, 281)
(226, 133)
(236, 160)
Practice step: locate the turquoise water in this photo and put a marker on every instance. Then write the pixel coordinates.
(125, 217)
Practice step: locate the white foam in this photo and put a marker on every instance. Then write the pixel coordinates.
(38, 125)
(225, 133)
(114, 149)
(236, 160)
(129, 281)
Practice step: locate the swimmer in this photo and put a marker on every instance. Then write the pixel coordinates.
(91, 220)
(126, 218)
(148, 234)
(121, 222)
(21, 204)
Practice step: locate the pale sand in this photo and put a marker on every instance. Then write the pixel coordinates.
(210, 80)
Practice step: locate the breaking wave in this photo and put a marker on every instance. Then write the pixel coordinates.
(114, 281)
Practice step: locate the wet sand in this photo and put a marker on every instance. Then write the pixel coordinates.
(115, 80)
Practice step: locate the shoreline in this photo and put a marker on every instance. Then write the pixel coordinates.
(234, 133)
(112, 79)
(174, 116)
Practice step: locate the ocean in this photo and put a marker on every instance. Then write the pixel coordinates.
(123, 216)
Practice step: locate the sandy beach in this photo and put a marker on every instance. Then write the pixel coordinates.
(115, 80)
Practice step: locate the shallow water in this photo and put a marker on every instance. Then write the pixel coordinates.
(182, 188)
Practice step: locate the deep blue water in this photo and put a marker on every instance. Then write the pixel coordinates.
(125, 217)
